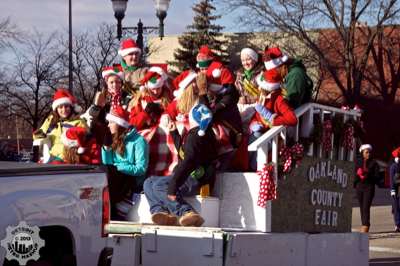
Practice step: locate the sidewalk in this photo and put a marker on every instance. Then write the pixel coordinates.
(384, 243)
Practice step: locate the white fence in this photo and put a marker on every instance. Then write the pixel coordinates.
(267, 147)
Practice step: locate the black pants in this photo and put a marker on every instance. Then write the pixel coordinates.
(365, 195)
(120, 186)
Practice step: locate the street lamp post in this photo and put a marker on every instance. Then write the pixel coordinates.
(70, 84)
(119, 7)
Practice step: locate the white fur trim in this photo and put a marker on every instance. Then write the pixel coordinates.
(201, 132)
(365, 147)
(159, 71)
(250, 52)
(274, 63)
(109, 72)
(216, 73)
(117, 120)
(127, 51)
(60, 101)
(142, 88)
(396, 159)
(268, 86)
(81, 150)
(184, 83)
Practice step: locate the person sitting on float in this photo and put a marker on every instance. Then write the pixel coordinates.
(152, 100)
(64, 115)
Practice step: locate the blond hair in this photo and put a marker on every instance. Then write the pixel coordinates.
(187, 100)
(165, 97)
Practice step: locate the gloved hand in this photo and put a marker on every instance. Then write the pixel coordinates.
(264, 112)
(154, 110)
(90, 115)
(39, 134)
(393, 193)
(107, 140)
(201, 82)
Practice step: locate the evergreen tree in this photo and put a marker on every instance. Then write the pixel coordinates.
(201, 32)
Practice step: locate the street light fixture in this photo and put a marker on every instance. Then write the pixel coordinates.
(119, 7)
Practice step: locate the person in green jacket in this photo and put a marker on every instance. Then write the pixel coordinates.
(126, 156)
(298, 85)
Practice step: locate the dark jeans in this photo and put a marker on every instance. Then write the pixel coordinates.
(155, 189)
(365, 195)
(396, 210)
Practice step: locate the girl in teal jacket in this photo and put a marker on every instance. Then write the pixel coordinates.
(126, 155)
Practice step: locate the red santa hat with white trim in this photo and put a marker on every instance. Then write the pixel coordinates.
(75, 137)
(128, 46)
(182, 81)
(273, 58)
(114, 70)
(63, 96)
(119, 116)
(154, 78)
(269, 80)
(365, 147)
(218, 76)
(204, 57)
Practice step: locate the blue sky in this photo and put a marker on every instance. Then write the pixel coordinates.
(50, 15)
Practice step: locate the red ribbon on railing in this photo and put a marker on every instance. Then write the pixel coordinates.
(290, 154)
(267, 185)
(327, 135)
(348, 137)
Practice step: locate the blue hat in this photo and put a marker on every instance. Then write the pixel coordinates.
(202, 116)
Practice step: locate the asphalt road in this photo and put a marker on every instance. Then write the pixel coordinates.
(384, 244)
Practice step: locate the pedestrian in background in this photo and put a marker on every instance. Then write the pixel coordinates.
(367, 173)
(395, 187)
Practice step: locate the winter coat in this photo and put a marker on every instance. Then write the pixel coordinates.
(194, 152)
(297, 84)
(55, 132)
(283, 113)
(394, 172)
(370, 171)
(239, 83)
(135, 160)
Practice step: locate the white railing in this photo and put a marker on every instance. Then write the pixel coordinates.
(305, 115)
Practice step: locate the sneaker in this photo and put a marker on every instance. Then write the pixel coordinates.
(397, 229)
(163, 218)
(191, 219)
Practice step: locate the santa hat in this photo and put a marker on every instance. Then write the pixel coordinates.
(128, 46)
(250, 52)
(269, 80)
(63, 96)
(274, 58)
(396, 153)
(115, 70)
(204, 57)
(182, 81)
(218, 76)
(201, 116)
(75, 137)
(119, 116)
(365, 147)
(154, 78)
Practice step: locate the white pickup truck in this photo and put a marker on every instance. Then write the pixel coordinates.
(68, 203)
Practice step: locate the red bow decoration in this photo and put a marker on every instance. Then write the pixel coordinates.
(348, 137)
(327, 136)
(290, 154)
(267, 185)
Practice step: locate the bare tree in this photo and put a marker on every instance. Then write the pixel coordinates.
(8, 32)
(91, 52)
(33, 78)
(340, 55)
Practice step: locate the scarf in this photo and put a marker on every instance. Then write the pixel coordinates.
(126, 67)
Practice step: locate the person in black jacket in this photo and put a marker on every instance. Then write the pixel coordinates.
(395, 187)
(197, 152)
(367, 173)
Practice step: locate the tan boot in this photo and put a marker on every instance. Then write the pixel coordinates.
(364, 229)
(162, 218)
(191, 219)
